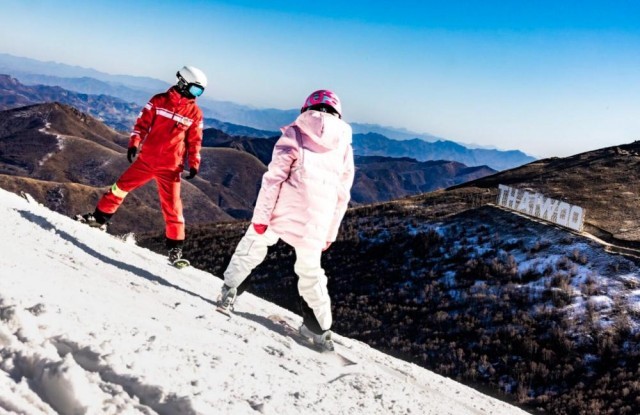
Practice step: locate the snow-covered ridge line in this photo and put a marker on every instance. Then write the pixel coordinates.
(45, 130)
(93, 324)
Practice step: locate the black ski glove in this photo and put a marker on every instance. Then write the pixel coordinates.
(131, 153)
(192, 173)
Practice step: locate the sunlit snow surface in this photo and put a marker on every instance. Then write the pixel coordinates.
(90, 323)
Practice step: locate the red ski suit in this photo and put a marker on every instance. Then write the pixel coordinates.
(168, 129)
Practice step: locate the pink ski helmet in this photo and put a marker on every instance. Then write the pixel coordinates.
(323, 96)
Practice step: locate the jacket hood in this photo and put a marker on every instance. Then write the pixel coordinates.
(322, 131)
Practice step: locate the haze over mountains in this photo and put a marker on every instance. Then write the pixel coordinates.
(139, 90)
(121, 115)
(372, 144)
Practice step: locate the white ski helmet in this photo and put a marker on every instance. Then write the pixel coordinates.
(192, 80)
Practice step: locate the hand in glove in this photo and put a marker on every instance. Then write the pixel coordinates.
(192, 173)
(131, 153)
(259, 228)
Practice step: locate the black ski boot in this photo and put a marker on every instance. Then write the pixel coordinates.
(97, 219)
(175, 253)
(311, 329)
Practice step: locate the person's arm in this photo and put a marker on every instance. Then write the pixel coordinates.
(143, 124)
(194, 142)
(344, 194)
(285, 153)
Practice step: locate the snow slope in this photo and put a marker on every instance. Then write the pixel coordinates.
(90, 323)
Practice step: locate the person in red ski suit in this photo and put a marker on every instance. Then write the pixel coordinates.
(167, 131)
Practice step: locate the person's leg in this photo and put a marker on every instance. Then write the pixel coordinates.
(250, 252)
(171, 204)
(308, 316)
(312, 286)
(135, 176)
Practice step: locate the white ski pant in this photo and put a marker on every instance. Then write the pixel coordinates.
(312, 281)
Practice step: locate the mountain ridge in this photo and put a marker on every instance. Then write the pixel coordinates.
(373, 144)
(376, 178)
(57, 145)
(269, 119)
(121, 115)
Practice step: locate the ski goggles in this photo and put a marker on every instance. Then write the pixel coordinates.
(196, 90)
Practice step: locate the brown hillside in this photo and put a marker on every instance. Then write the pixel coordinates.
(262, 148)
(605, 182)
(67, 120)
(139, 213)
(386, 178)
(57, 146)
(231, 178)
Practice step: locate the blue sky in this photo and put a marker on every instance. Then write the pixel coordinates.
(551, 78)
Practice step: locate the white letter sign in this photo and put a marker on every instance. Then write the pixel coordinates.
(539, 206)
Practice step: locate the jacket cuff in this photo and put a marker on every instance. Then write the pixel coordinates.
(260, 218)
(134, 141)
(195, 164)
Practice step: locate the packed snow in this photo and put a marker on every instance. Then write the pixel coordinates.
(93, 324)
(45, 130)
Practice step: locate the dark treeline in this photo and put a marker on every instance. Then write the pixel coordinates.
(455, 300)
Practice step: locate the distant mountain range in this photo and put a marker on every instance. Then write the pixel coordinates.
(120, 115)
(66, 159)
(372, 144)
(377, 178)
(26, 66)
(253, 122)
(238, 130)
(117, 113)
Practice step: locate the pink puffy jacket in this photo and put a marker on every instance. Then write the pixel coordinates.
(306, 190)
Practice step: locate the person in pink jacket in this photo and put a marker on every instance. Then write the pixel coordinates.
(304, 196)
